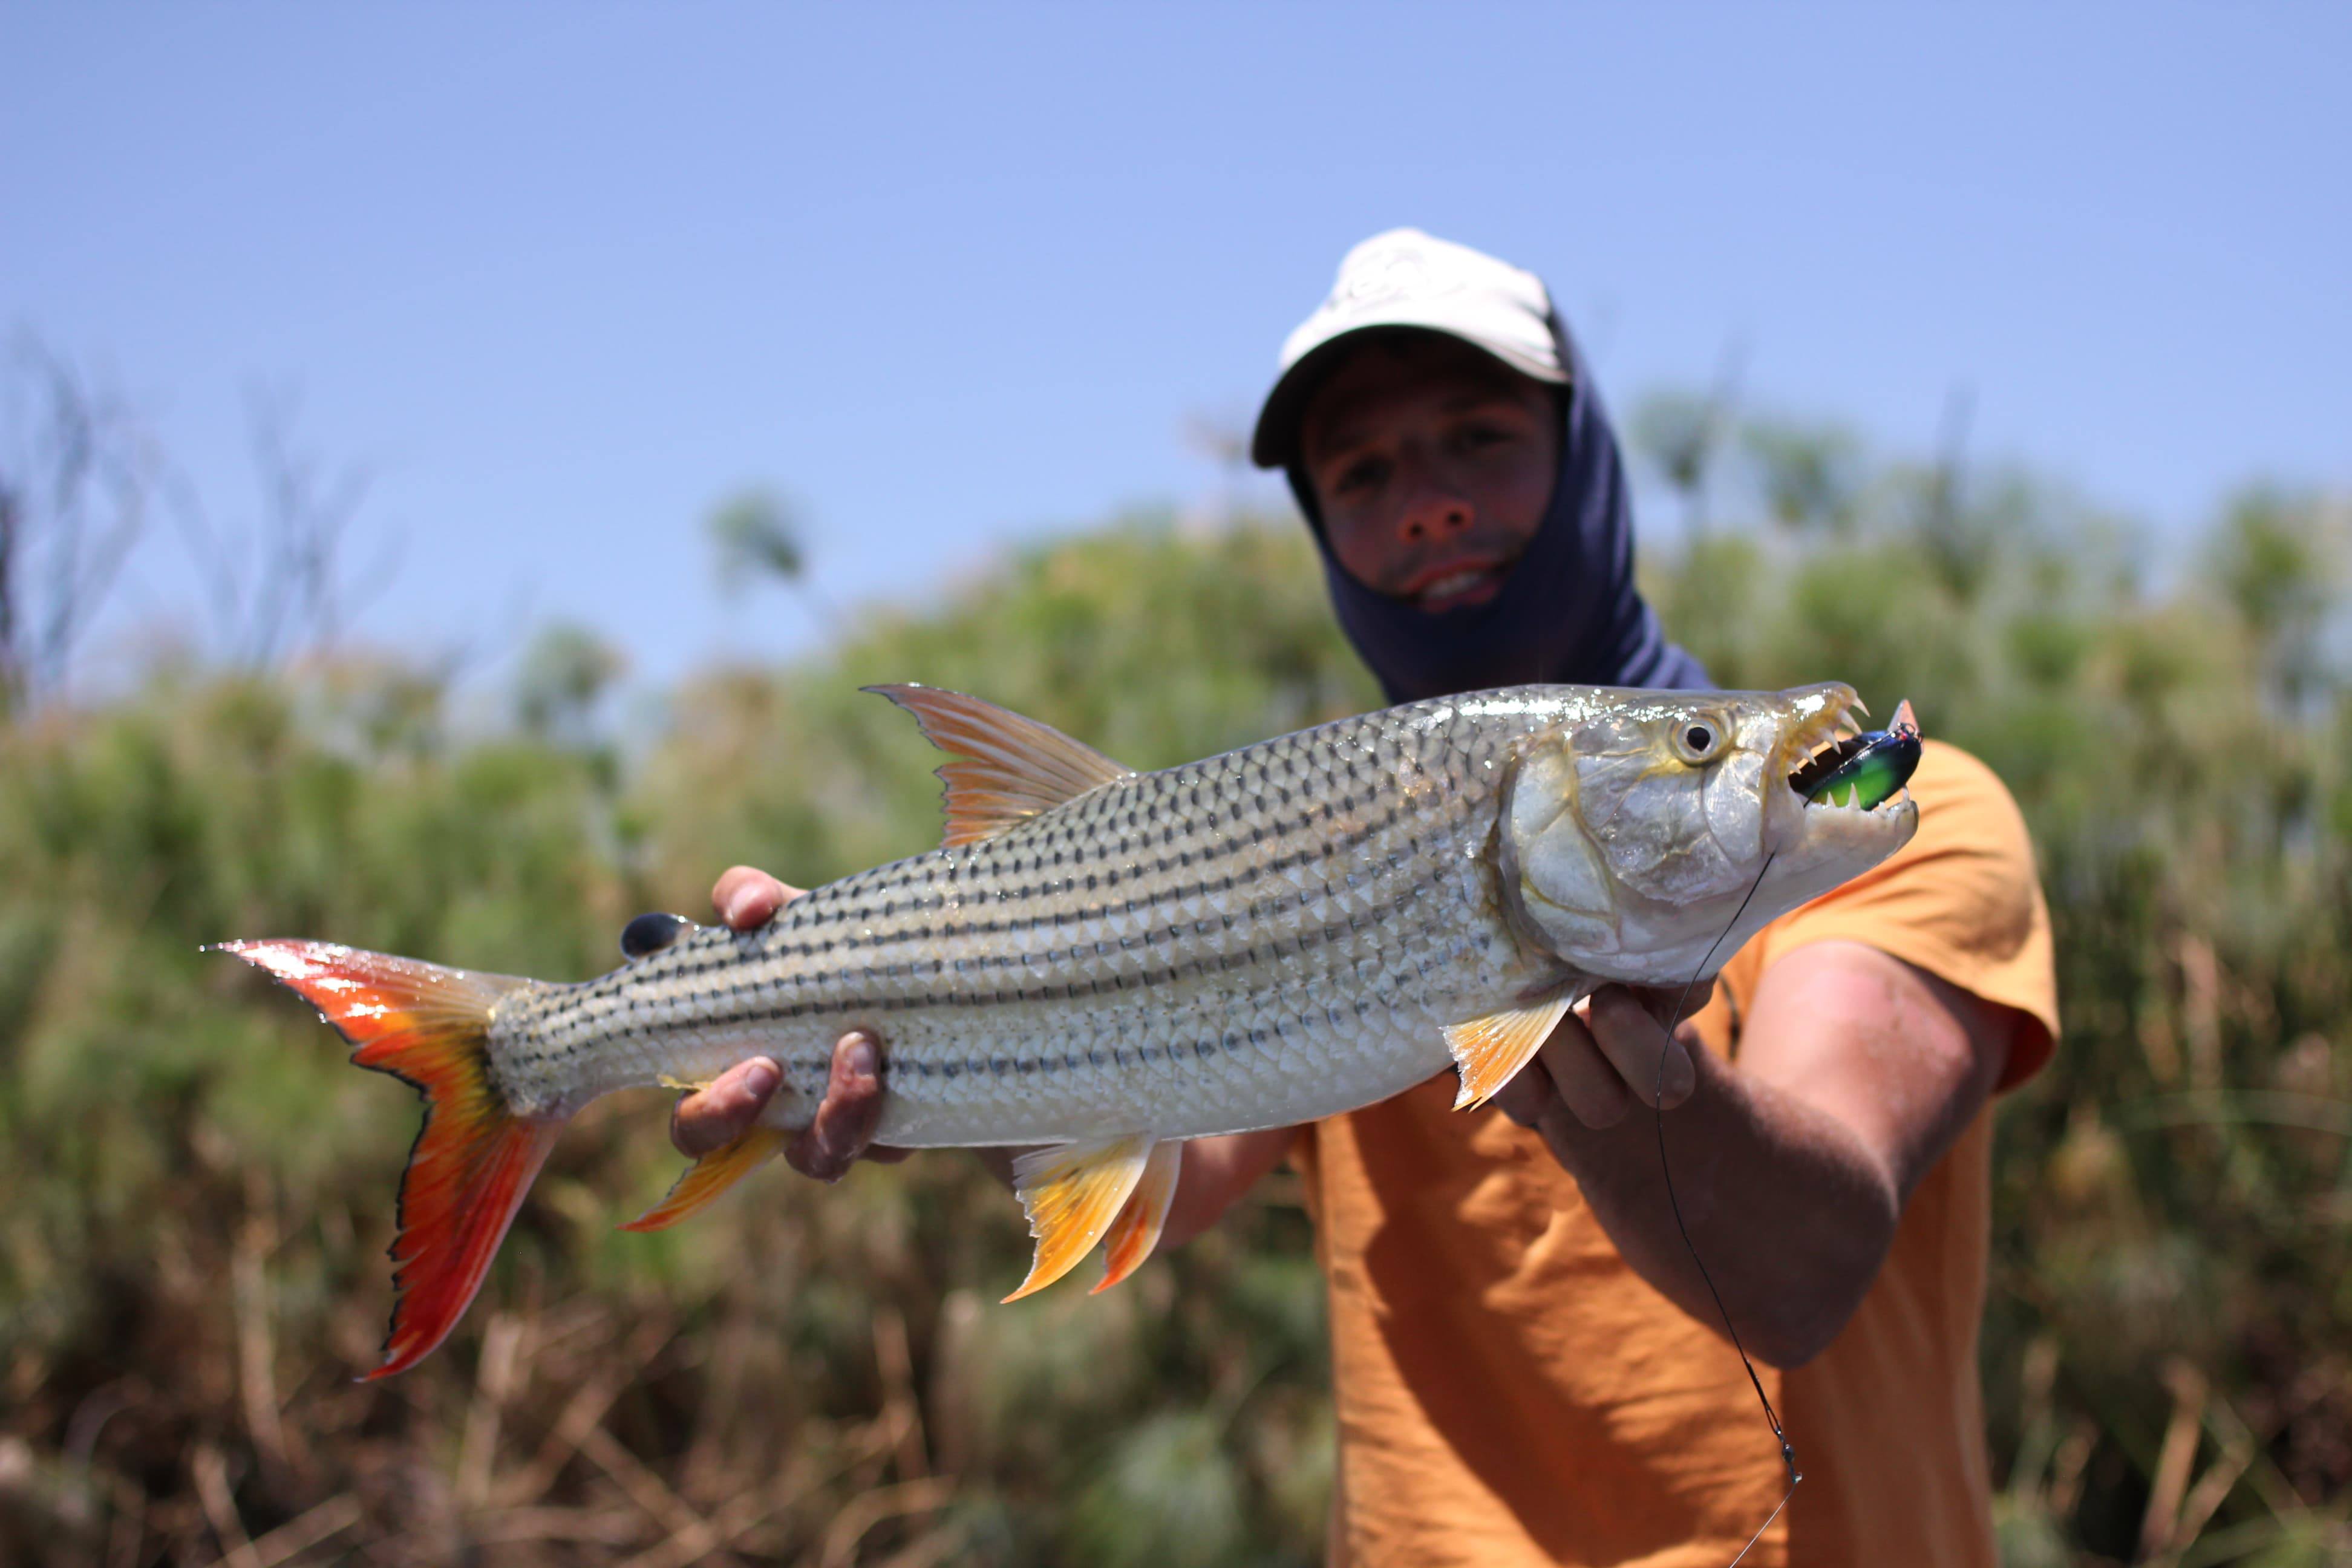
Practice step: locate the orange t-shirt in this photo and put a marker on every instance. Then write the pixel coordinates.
(1509, 1392)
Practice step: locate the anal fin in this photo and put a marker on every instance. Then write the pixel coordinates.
(1072, 1192)
(711, 1176)
(1490, 1051)
(1136, 1231)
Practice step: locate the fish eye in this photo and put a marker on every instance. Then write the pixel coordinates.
(1697, 740)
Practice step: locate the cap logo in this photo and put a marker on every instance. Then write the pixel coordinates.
(1391, 275)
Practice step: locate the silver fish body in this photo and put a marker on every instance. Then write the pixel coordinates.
(1252, 941)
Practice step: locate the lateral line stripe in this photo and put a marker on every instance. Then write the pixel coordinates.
(684, 965)
(1313, 936)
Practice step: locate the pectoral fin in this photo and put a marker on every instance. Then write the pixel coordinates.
(1071, 1194)
(1490, 1051)
(1136, 1231)
(711, 1176)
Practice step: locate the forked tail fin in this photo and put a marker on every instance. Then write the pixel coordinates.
(475, 1156)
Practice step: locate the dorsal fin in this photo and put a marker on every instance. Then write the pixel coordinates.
(1009, 768)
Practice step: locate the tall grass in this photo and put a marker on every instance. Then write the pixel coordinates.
(194, 1191)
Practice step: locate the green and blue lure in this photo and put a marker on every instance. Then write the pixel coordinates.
(1863, 770)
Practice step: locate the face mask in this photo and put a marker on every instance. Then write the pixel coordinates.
(1567, 614)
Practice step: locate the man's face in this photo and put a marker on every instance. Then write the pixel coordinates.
(1433, 463)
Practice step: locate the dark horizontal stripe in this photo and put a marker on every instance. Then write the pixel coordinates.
(1328, 849)
(1305, 941)
(851, 901)
(861, 900)
(572, 1010)
(1034, 1060)
(693, 961)
(714, 958)
(635, 991)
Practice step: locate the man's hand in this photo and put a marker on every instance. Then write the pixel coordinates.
(1855, 1073)
(723, 1110)
(1606, 1063)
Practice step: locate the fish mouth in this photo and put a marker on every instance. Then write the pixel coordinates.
(1825, 742)
(1833, 755)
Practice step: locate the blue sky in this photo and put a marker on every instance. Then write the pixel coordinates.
(561, 276)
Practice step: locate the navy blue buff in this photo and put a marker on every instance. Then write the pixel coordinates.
(1567, 614)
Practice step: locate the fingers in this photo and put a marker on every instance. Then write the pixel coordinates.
(1584, 1078)
(845, 1121)
(1633, 1040)
(1661, 1001)
(722, 1110)
(747, 898)
(1527, 1097)
(726, 1107)
(1603, 1063)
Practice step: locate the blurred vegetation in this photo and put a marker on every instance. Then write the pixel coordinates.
(196, 1191)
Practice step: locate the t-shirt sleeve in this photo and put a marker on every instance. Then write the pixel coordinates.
(1961, 900)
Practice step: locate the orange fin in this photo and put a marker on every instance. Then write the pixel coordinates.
(1136, 1231)
(1071, 1194)
(475, 1156)
(1490, 1051)
(711, 1176)
(1009, 768)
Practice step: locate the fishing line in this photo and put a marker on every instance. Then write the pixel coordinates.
(1658, 1111)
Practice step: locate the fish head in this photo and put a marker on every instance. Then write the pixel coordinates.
(1651, 827)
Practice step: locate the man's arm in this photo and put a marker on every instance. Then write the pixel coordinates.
(1856, 1071)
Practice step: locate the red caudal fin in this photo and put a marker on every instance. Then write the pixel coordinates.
(475, 1156)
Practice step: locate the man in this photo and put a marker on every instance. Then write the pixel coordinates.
(1524, 1354)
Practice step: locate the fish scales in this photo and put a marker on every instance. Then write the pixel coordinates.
(1253, 940)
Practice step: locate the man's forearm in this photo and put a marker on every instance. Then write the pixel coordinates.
(1785, 1205)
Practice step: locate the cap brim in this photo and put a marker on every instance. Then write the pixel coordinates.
(1274, 443)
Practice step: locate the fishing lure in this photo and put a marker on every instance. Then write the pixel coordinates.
(1863, 770)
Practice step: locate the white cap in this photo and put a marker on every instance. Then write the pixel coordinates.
(1408, 279)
